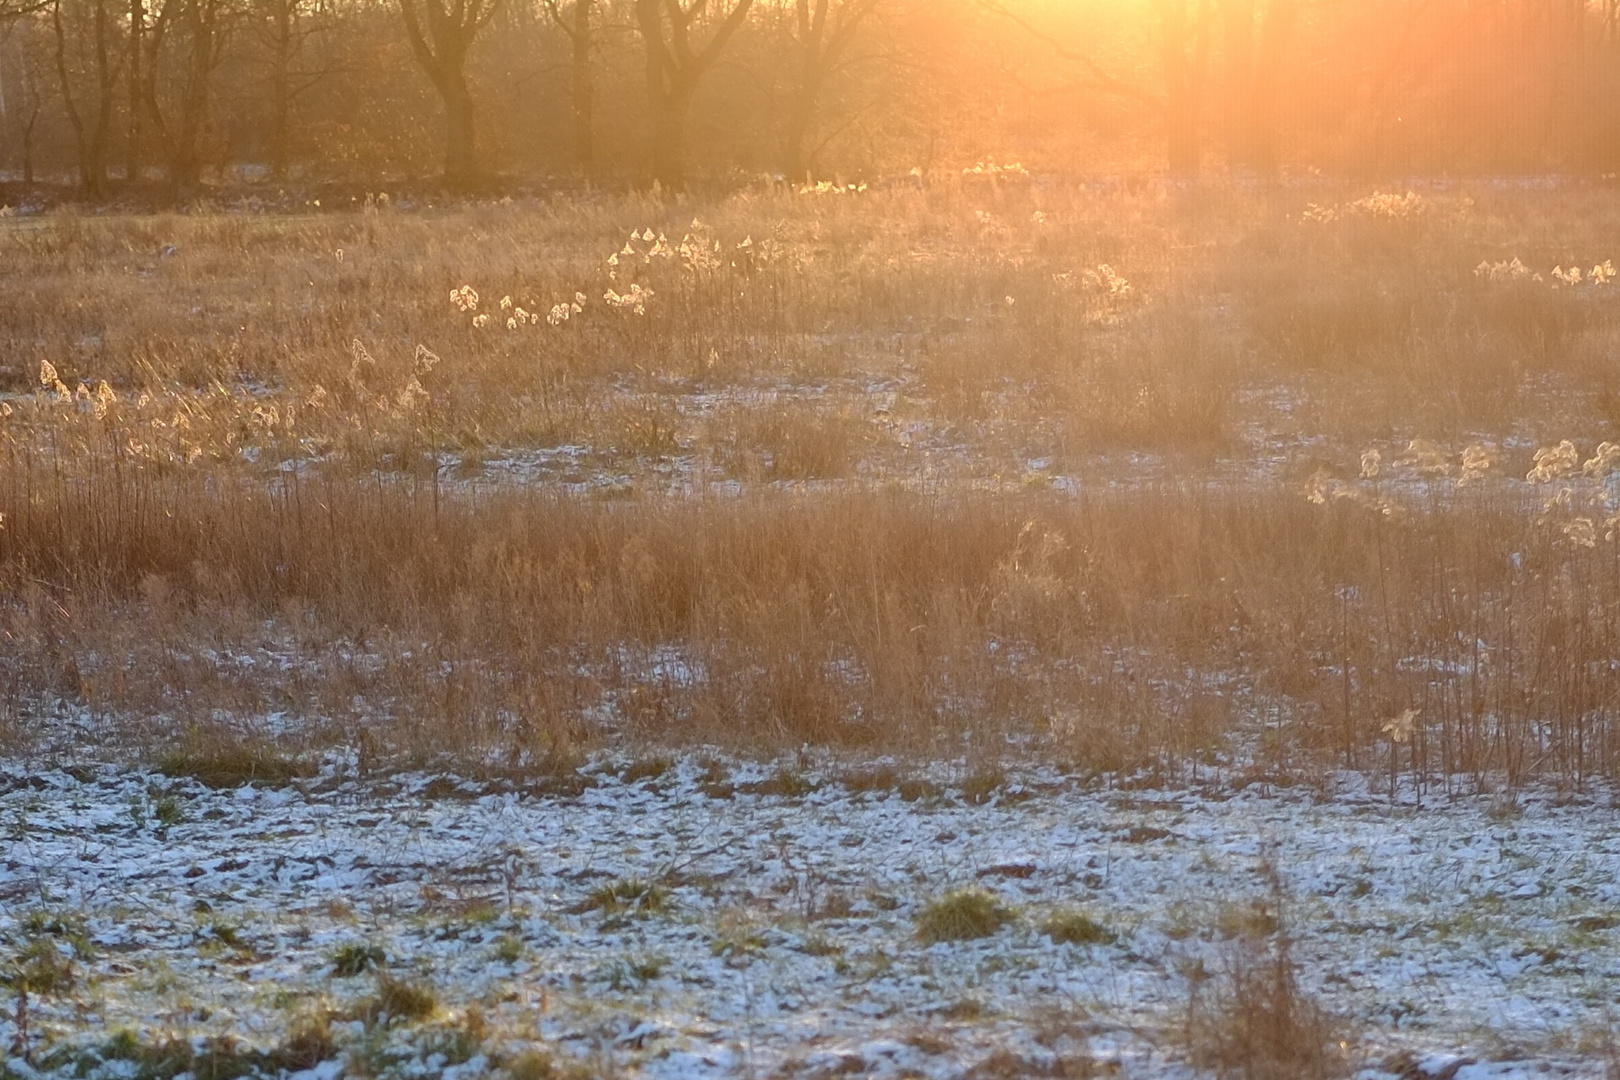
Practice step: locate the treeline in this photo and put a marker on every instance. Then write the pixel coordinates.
(183, 92)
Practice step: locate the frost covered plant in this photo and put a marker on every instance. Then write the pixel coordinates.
(700, 253)
(1580, 505)
(1504, 270)
(963, 915)
(561, 313)
(1514, 269)
(1426, 458)
(827, 187)
(1399, 728)
(1106, 280)
(50, 380)
(1422, 459)
(1476, 462)
(995, 170)
(1554, 463)
(634, 299)
(1391, 207)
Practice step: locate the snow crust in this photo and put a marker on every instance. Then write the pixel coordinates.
(1473, 938)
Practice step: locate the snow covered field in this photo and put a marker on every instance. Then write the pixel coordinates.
(708, 918)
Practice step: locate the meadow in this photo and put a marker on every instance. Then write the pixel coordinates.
(1008, 626)
(1125, 477)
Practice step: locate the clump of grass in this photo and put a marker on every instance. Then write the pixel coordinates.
(44, 964)
(536, 1064)
(531, 1065)
(885, 779)
(1076, 928)
(1251, 1018)
(647, 768)
(308, 1044)
(509, 949)
(738, 941)
(219, 1057)
(786, 782)
(714, 779)
(397, 999)
(963, 915)
(354, 958)
(226, 765)
(915, 789)
(169, 811)
(873, 780)
(983, 783)
(634, 971)
(626, 895)
(220, 934)
(457, 1041)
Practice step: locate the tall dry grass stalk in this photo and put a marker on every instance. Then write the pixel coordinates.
(1126, 629)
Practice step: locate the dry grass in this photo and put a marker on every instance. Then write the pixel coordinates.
(811, 492)
(1251, 1018)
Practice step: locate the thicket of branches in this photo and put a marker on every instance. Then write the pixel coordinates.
(185, 92)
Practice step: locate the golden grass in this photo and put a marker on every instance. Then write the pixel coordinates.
(868, 473)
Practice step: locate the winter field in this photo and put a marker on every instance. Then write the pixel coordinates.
(1000, 628)
(686, 919)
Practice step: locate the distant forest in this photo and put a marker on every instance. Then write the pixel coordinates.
(469, 93)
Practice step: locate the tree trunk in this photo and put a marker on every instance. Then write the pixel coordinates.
(584, 90)
(1279, 23)
(801, 117)
(668, 114)
(444, 59)
(152, 41)
(460, 155)
(281, 46)
(673, 71)
(132, 148)
(1239, 103)
(89, 134)
(1183, 88)
(185, 167)
(28, 146)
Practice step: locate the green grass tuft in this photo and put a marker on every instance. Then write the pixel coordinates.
(962, 916)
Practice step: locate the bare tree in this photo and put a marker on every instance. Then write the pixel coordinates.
(451, 26)
(1184, 51)
(582, 39)
(1252, 71)
(132, 144)
(285, 27)
(1183, 46)
(820, 40)
(26, 44)
(674, 67)
(148, 38)
(204, 23)
(90, 119)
